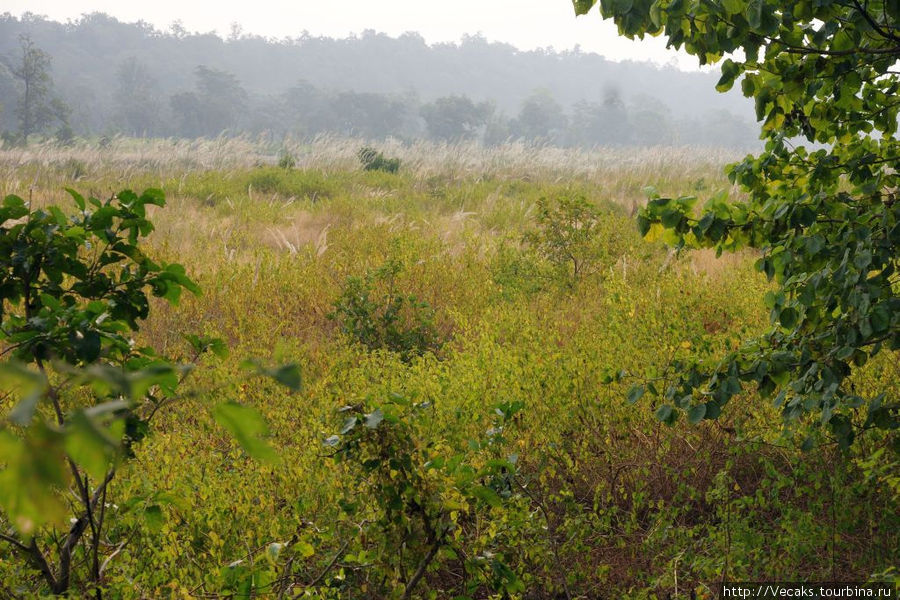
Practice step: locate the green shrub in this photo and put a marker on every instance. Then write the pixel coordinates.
(516, 272)
(372, 160)
(374, 313)
(418, 499)
(566, 235)
(289, 183)
(286, 160)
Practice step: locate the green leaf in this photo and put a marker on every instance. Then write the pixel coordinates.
(755, 13)
(583, 6)
(374, 418)
(666, 414)
(247, 426)
(733, 7)
(349, 424)
(153, 196)
(31, 478)
(154, 518)
(486, 495)
(90, 445)
(788, 317)
(696, 414)
(18, 379)
(287, 375)
(635, 393)
(730, 71)
(78, 198)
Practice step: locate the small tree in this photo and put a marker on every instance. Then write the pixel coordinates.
(455, 118)
(541, 119)
(566, 235)
(72, 292)
(38, 107)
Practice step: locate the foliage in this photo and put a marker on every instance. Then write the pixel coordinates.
(282, 181)
(516, 271)
(286, 160)
(602, 502)
(217, 103)
(567, 235)
(455, 117)
(317, 86)
(541, 119)
(37, 106)
(375, 314)
(372, 160)
(424, 498)
(825, 220)
(137, 98)
(72, 292)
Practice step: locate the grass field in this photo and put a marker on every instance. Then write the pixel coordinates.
(597, 499)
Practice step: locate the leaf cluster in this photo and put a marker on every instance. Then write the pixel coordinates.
(826, 221)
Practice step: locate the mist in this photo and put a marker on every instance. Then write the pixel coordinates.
(109, 77)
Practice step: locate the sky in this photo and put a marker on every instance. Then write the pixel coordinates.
(526, 24)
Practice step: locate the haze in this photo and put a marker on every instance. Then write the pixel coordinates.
(526, 25)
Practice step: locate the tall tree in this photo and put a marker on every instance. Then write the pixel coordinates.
(136, 98)
(825, 219)
(219, 103)
(541, 118)
(38, 107)
(455, 117)
(223, 98)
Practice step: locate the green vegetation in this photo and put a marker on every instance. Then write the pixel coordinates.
(468, 425)
(373, 160)
(73, 291)
(37, 106)
(136, 80)
(826, 221)
(386, 317)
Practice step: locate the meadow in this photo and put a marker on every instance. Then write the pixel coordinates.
(484, 443)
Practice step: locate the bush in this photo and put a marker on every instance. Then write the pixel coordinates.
(566, 235)
(372, 160)
(286, 160)
(427, 507)
(65, 136)
(12, 139)
(289, 183)
(374, 313)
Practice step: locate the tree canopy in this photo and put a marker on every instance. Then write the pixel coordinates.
(37, 107)
(824, 217)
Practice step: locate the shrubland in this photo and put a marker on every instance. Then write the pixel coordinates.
(468, 425)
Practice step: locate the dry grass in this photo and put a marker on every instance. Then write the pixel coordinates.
(129, 156)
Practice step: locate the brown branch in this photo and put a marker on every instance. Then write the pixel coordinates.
(18, 545)
(871, 21)
(420, 570)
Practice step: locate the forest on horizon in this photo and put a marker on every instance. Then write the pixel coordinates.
(111, 77)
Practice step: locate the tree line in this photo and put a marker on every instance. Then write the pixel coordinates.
(138, 95)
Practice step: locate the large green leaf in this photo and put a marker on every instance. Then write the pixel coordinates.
(248, 428)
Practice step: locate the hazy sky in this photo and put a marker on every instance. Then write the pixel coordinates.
(526, 24)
